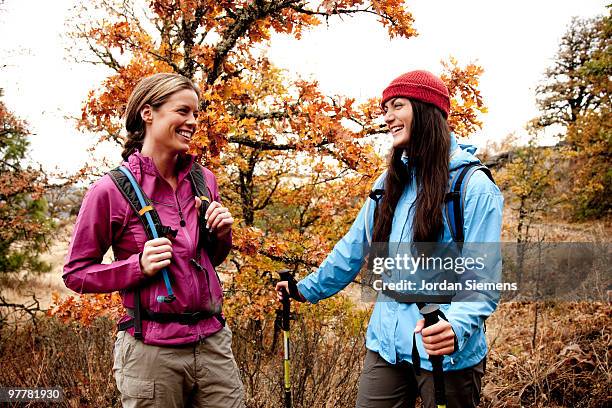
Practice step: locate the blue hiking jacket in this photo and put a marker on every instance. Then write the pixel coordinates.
(391, 326)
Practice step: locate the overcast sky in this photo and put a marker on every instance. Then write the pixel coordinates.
(513, 41)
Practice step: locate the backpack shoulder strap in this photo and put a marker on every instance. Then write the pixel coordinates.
(142, 206)
(455, 198)
(376, 195)
(198, 183)
(140, 203)
(200, 189)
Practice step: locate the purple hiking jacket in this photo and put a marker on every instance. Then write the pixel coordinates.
(106, 219)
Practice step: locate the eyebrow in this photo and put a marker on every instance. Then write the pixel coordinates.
(187, 106)
(390, 101)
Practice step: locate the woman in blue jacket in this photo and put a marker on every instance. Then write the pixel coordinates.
(424, 158)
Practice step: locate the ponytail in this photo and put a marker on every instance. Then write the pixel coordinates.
(132, 144)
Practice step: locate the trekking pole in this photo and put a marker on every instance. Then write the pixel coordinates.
(285, 276)
(431, 314)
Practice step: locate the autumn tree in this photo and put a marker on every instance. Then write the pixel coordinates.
(23, 220)
(529, 179)
(576, 95)
(590, 149)
(294, 165)
(578, 81)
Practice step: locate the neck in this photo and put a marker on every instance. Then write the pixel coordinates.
(164, 161)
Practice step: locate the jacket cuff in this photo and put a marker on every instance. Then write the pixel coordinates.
(306, 293)
(461, 335)
(134, 270)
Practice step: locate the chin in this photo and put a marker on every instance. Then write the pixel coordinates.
(182, 148)
(400, 142)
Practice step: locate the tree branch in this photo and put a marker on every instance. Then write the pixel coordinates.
(335, 12)
(290, 260)
(258, 144)
(263, 115)
(266, 201)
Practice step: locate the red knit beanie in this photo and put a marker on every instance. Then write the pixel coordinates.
(421, 85)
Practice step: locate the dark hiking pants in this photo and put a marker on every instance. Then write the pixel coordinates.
(384, 385)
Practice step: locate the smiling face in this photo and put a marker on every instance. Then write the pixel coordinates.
(398, 117)
(171, 125)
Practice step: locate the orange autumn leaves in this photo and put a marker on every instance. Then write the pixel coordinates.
(466, 102)
(85, 309)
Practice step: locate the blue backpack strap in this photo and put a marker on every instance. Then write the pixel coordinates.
(455, 198)
(147, 215)
(143, 207)
(140, 203)
(376, 195)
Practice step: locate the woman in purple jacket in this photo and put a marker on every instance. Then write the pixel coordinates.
(185, 356)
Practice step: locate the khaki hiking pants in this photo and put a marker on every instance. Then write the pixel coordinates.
(203, 374)
(384, 385)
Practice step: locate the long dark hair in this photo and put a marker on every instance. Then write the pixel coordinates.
(428, 153)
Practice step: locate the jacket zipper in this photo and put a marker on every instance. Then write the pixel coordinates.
(183, 224)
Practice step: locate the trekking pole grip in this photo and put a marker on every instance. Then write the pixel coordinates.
(431, 313)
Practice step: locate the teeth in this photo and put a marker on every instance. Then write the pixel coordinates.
(184, 133)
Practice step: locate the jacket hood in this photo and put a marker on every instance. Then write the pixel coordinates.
(461, 154)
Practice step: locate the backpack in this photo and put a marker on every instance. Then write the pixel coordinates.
(454, 200)
(144, 209)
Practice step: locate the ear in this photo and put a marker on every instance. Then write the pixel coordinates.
(146, 113)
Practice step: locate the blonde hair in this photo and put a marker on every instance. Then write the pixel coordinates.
(153, 90)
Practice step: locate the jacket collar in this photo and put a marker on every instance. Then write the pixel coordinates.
(461, 154)
(137, 163)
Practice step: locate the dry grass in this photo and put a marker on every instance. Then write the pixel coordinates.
(568, 365)
(19, 287)
(52, 354)
(555, 230)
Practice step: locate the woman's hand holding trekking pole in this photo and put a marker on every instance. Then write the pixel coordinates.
(289, 287)
(438, 339)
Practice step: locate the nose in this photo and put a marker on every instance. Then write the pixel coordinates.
(389, 117)
(191, 120)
